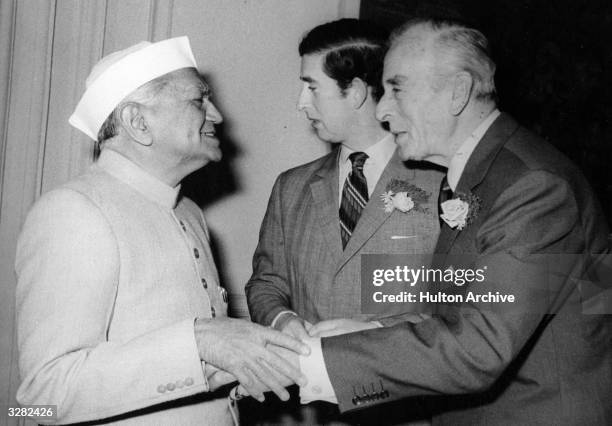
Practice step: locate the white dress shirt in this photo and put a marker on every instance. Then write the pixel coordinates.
(461, 157)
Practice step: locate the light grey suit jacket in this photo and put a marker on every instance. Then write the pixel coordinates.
(299, 263)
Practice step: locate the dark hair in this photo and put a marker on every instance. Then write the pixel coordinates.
(352, 48)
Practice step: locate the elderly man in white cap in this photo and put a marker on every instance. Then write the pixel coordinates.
(121, 317)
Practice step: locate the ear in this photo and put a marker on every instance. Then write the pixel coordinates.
(358, 92)
(462, 90)
(135, 124)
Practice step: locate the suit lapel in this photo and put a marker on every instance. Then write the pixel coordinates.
(374, 215)
(477, 168)
(325, 195)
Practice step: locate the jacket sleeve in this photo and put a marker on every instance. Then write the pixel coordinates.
(268, 292)
(68, 271)
(465, 349)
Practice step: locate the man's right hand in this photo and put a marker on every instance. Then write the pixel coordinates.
(239, 347)
(297, 328)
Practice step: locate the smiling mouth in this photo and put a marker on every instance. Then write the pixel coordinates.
(208, 131)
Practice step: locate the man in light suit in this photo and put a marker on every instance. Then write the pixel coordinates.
(120, 315)
(307, 265)
(527, 216)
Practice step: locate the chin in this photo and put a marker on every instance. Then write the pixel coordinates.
(214, 156)
(407, 154)
(325, 136)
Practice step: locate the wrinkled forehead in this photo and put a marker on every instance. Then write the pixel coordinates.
(405, 60)
(187, 81)
(411, 52)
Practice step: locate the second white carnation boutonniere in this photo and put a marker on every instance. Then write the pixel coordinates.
(461, 210)
(403, 196)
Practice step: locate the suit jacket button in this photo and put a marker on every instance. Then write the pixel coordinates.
(179, 384)
(161, 389)
(204, 283)
(196, 253)
(188, 381)
(170, 386)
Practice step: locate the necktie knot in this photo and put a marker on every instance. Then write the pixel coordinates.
(358, 159)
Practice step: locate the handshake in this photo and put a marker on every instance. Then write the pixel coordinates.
(261, 359)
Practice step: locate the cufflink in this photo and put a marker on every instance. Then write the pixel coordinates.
(235, 394)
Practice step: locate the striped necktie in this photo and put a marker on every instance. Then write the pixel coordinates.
(354, 197)
(446, 193)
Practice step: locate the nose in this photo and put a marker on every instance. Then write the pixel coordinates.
(304, 99)
(382, 109)
(212, 113)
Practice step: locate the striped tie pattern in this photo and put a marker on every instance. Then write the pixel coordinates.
(446, 193)
(354, 197)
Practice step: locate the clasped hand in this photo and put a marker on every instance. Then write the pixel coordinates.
(240, 350)
(303, 330)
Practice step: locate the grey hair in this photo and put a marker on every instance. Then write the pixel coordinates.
(144, 94)
(462, 49)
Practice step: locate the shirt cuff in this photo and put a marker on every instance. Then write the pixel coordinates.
(319, 387)
(278, 316)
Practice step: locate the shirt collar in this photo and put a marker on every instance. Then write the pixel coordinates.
(461, 157)
(379, 153)
(131, 174)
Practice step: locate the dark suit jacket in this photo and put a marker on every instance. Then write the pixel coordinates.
(537, 361)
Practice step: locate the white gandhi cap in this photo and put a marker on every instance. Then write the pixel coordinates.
(117, 75)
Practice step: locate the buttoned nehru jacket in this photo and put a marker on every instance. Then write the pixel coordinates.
(113, 268)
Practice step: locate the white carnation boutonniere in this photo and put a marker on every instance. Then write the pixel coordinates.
(461, 210)
(400, 201)
(403, 196)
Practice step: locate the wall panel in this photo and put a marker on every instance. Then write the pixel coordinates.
(77, 45)
(26, 121)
